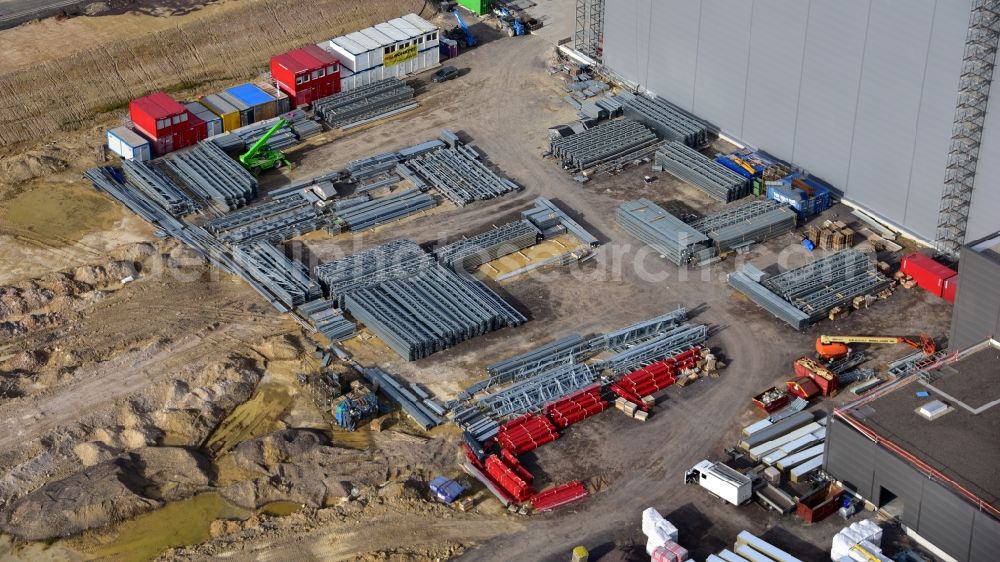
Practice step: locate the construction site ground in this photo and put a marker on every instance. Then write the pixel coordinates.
(101, 371)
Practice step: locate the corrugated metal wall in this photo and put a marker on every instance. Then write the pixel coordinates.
(860, 92)
(976, 315)
(933, 511)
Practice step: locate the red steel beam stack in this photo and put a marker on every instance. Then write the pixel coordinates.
(526, 433)
(559, 496)
(511, 461)
(657, 376)
(508, 479)
(576, 407)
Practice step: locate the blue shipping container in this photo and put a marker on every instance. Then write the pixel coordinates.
(249, 94)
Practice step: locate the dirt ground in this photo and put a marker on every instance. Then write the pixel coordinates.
(113, 361)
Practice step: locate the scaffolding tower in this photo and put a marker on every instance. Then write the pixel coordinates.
(589, 36)
(967, 131)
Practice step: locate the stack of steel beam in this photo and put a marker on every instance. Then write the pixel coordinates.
(662, 231)
(372, 166)
(324, 316)
(755, 221)
(546, 215)
(624, 338)
(602, 143)
(470, 253)
(348, 202)
(564, 351)
(418, 410)
(365, 103)
(386, 209)
(767, 300)
(213, 175)
(392, 260)
(704, 173)
(250, 134)
(833, 281)
(158, 187)
(287, 281)
(459, 178)
(531, 395)
(381, 183)
(430, 311)
(526, 433)
(668, 343)
(576, 407)
(476, 425)
(273, 221)
(669, 121)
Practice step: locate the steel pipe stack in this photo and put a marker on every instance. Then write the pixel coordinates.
(669, 121)
(470, 253)
(755, 221)
(662, 231)
(158, 187)
(704, 173)
(602, 143)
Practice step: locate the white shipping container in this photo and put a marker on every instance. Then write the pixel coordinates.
(128, 144)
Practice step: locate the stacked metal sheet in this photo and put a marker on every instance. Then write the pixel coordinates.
(602, 143)
(704, 173)
(287, 281)
(386, 209)
(211, 173)
(808, 293)
(158, 187)
(418, 410)
(328, 320)
(458, 177)
(367, 102)
(546, 215)
(532, 394)
(669, 121)
(755, 221)
(470, 253)
(662, 231)
(275, 220)
(430, 311)
(667, 343)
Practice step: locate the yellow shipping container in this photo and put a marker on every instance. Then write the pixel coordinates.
(229, 114)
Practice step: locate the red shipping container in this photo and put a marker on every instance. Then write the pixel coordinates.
(928, 274)
(803, 387)
(306, 74)
(950, 289)
(159, 115)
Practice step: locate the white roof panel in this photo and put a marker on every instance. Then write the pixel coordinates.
(365, 41)
(349, 45)
(392, 32)
(376, 36)
(420, 23)
(405, 27)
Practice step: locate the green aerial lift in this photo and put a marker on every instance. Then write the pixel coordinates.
(260, 157)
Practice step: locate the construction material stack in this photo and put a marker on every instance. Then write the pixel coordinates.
(718, 181)
(526, 433)
(601, 144)
(369, 102)
(669, 121)
(668, 235)
(470, 253)
(655, 377)
(576, 407)
(754, 221)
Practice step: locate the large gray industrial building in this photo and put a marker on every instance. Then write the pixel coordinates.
(888, 101)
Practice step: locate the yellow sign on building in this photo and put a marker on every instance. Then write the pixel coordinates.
(400, 55)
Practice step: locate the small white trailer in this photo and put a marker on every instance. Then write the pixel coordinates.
(721, 480)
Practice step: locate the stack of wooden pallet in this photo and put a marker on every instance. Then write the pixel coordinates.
(831, 235)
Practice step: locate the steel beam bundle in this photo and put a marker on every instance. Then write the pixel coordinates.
(214, 175)
(532, 394)
(459, 178)
(545, 214)
(348, 202)
(569, 350)
(470, 253)
(576, 407)
(250, 215)
(755, 221)
(361, 104)
(763, 297)
(327, 319)
(669, 121)
(476, 425)
(386, 209)
(430, 311)
(392, 260)
(623, 338)
(418, 411)
(273, 221)
(663, 232)
(288, 281)
(364, 188)
(372, 166)
(704, 173)
(602, 143)
(158, 187)
(667, 344)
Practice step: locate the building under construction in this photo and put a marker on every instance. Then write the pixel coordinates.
(888, 105)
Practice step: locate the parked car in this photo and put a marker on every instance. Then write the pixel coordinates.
(444, 74)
